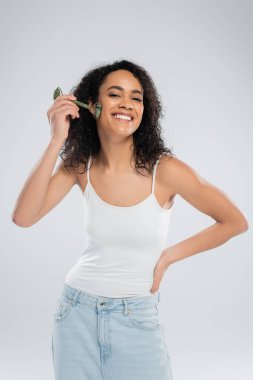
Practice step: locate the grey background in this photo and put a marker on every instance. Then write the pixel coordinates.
(199, 54)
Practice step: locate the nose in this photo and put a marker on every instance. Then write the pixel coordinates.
(125, 107)
(125, 104)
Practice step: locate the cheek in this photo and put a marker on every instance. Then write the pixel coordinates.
(140, 113)
(108, 106)
(141, 110)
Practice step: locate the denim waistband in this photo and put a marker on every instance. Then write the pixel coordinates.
(107, 303)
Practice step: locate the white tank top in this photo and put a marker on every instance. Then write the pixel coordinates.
(123, 244)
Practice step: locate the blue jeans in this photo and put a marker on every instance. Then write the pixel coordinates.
(103, 338)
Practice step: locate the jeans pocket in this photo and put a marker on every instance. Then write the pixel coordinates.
(145, 318)
(63, 308)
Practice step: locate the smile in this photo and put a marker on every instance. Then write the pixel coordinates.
(122, 119)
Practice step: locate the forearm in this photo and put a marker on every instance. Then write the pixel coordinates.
(210, 237)
(33, 193)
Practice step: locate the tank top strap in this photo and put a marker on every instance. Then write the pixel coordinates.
(88, 170)
(154, 172)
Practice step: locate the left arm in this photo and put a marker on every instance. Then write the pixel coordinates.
(207, 198)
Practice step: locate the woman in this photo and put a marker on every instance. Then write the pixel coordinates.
(106, 323)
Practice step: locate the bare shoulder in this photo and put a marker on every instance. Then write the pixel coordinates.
(179, 176)
(170, 162)
(200, 193)
(171, 168)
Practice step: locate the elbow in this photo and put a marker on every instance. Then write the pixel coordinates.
(240, 223)
(241, 226)
(236, 227)
(244, 224)
(19, 222)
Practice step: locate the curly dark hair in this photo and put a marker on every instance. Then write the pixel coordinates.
(84, 142)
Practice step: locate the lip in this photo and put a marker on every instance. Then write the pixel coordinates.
(123, 121)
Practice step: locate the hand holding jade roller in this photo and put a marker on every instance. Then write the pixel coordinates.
(98, 109)
(59, 116)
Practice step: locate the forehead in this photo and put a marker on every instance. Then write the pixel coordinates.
(122, 78)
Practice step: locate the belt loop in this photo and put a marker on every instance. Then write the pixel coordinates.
(125, 312)
(158, 295)
(73, 300)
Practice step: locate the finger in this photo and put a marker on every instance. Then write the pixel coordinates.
(63, 97)
(156, 281)
(68, 110)
(69, 102)
(70, 96)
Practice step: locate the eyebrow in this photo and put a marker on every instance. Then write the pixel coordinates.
(121, 88)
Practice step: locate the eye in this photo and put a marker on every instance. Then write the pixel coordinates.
(140, 100)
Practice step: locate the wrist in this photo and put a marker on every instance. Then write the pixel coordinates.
(57, 141)
(167, 257)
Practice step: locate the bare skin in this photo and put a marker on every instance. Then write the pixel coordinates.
(126, 188)
(43, 189)
(111, 171)
(115, 180)
(116, 136)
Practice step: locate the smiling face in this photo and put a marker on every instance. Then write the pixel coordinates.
(120, 94)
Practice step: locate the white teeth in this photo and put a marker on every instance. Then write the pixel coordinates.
(122, 117)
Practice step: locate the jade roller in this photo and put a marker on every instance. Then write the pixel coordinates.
(98, 109)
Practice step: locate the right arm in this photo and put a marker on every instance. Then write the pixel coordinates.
(42, 191)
